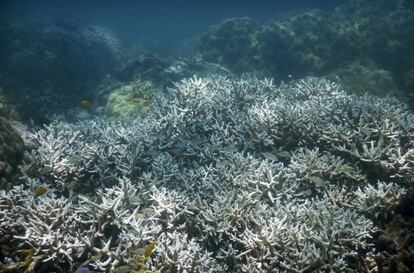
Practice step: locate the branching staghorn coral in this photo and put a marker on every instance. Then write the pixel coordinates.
(220, 175)
(87, 153)
(178, 253)
(378, 200)
(316, 171)
(325, 236)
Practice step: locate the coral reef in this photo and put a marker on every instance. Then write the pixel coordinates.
(305, 44)
(231, 43)
(344, 42)
(11, 151)
(220, 175)
(362, 79)
(396, 247)
(130, 100)
(47, 68)
(165, 71)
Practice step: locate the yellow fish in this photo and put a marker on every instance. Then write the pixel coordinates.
(40, 190)
(85, 104)
(135, 100)
(150, 248)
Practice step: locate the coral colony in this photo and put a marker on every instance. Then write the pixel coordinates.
(219, 175)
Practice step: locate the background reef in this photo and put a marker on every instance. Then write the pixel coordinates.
(48, 68)
(277, 144)
(361, 37)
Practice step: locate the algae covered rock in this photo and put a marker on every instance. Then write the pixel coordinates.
(131, 100)
(164, 72)
(303, 44)
(350, 43)
(146, 66)
(309, 43)
(361, 79)
(231, 43)
(11, 150)
(48, 68)
(299, 45)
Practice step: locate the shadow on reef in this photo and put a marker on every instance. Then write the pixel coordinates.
(395, 244)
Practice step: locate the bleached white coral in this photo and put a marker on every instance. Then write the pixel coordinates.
(222, 175)
(317, 171)
(178, 253)
(49, 224)
(378, 200)
(296, 237)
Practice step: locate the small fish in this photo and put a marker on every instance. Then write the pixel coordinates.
(40, 190)
(365, 131)
(307, 193)
(140, 216)
(96, 257)
(318, 181)
(45, 170)
(85, 104)
(251, 136)
(135, 100)
(148, 211)
(315, 179)
(212, 147)
(150, 248)
(147, 103)
(230, 149)
(282, 154)
(27, 252)
(249, 98)
(270, 156)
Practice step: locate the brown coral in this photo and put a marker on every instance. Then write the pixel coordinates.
(11, 150)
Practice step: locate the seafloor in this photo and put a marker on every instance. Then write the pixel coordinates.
(284, 146)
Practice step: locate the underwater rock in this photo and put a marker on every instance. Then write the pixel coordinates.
(231, 43)
(304, 44)
(11, 150)
(408, 83)
(164, 72)
(361, 79)
(48, 68)
(316, 43)
(145, 67)
(300, 45)
(7, 108)
(131, 100)
(25, 134)
(395, 246)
